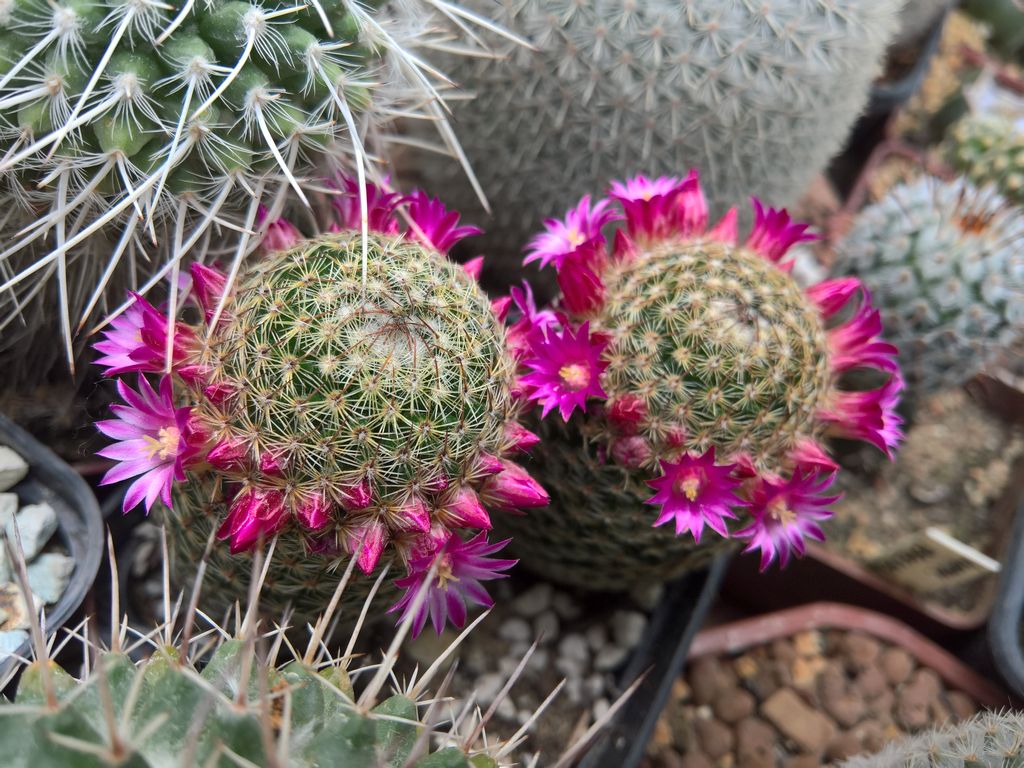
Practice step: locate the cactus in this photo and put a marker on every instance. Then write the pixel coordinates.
(352, 402)
(989, 149)
(130, 128)
(943, 262)
(715, 374)
(209, 695)
(758, 96)
(988, 740)
(1005, 22)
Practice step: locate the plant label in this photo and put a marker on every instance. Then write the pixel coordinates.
(932, 561)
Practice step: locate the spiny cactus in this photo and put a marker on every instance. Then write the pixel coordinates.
(1005, 22)
(717, 375)
(943, 263)
(130, 128)
(989, 149)
(351, 402)
(989, 740)
(757, 95)
(210, 695)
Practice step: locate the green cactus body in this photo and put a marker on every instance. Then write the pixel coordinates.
(758, 96)
(989, 740)
(988, 149)
(943, 263)
(129, 128)
(707, 377)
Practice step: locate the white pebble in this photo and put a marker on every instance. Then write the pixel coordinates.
(610, 657)
(594, 685)
(487, 688)
(13, 468)
(36, 524)
(628, 628)
(507, 709)
(8, 506)
(571, 668)
(574, 690)
(507, 664)
(574, 647)
(601, 707)
(545, 627)
(533, 601)
(597, 637)
(539, 661)
(48, 576)
(523, 717)
(566, 606)
(514, 629)
(11, 641)
(648, 596)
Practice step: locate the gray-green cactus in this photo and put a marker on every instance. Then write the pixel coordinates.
(989, 740)
(989, 149)
(758, 96)
(944, 264)
(129, 129)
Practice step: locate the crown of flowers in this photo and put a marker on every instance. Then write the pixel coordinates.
(562, 361)
(157, 439)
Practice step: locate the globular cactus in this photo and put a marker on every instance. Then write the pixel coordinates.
(758, 96)
(988, 740)
(1005, 22)
(350, 402)
(129, 129)
(704, 371)
(943, 263)
(195, 693)
(989, 149)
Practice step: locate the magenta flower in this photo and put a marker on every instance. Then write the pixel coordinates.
(567, 370)
(433, 224)
(695, 491)
(155, 443)
(254, 514)
(474, 266)
(651, 205)
(727, 229)
(856, 343)
(869, 416)
(367, 542)
(137, 341)
(832, 295)
(773, 233)
(461, 566)
(121, 339)
(581, 225)
(380, 207)
(579, 277)
(530, 320)
(208, 285)
(786, 513)
(281, 234)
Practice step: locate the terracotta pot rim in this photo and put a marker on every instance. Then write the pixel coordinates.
(740, 635)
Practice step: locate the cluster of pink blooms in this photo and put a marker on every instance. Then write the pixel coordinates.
(562, 362)
(156, 441)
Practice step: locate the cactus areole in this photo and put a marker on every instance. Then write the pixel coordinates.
(360, 401)
(699, 366)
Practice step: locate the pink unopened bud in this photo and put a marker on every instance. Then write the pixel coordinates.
(254, 514)
(726, 230)
(413, 515)
(501, 307)
(513, 489)
(229, 454)
(220, 393)
(194, 375)
(436, 484)
(625, 414)
(356, 497)
(675, 437)
(281, 234)
(271, 463)
(809, 453)
(315, 512)
(466, 510)
(473, 267)
(623, 246)
(486, 464)
(832, 295)
(427, 544)
(519, 437)
(208, 287)
(631, 452)
(368, 542)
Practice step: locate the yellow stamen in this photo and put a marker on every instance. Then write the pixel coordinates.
(691, 487)
(444, 572)
(575, 237)
(778, 510)
(575, 376)
(166, 446)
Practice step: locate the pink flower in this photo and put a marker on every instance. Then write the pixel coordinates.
(474, 267)
(466, 510)
(581, 225)
(579, 277)
(137, 341)
(513, 489)
(831, 295)
(367, 542)
(461, 566)
(255, 513)
(691, 207)
(695, 491)
(631, 452)
(651, 205)
(785, 513)
(155, 443)
(380, 207)
(281, 234)
(208, 286)
(773, 233)
(809, 453)
(567, 369)
(529, 322)
(433, 224)
(626, 413)
(870, 416)
(856, 343)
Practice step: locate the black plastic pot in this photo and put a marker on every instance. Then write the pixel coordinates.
(661, 656)
(1004, 626)
(79, 523)
(886, 97)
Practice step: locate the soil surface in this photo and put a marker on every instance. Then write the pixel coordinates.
(814, 699)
